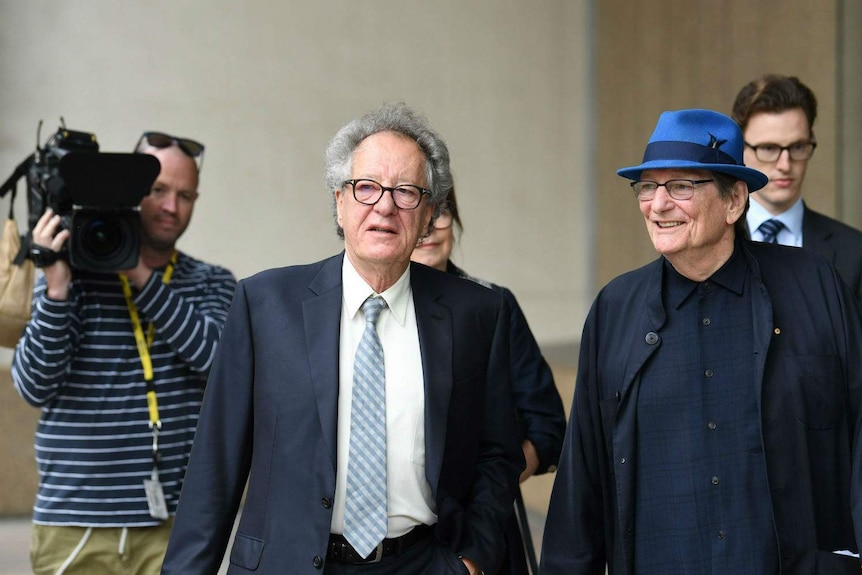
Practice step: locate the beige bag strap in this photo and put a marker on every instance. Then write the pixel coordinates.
(16, 282)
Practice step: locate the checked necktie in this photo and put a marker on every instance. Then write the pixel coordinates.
(770, 229)
(365, 515)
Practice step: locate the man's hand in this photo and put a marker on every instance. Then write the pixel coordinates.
(471, 566)
(45, 235)
(532, 459)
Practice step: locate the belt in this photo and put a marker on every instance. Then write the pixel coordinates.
(340, 551)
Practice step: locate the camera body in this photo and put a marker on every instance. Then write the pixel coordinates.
(45, 186)
(96, 195)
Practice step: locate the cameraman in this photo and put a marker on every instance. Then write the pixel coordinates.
(118, 364)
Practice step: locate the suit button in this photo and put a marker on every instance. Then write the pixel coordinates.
(651, 338)
(318, 562)
(327, 502)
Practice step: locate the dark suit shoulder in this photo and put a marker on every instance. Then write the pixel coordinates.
(294, 273)
(782, 266)
(453, 287)
(297, 277)
(821, 223)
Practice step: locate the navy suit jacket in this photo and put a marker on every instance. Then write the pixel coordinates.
(838, 243)
(269, 417)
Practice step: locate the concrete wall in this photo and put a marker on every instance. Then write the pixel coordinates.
(265, 84)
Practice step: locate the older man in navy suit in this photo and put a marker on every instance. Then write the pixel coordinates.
(364, 398)
(717, 421)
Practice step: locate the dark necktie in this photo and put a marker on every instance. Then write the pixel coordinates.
(365, 514)
(770, 229)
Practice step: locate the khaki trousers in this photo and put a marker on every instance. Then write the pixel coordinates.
(57, 550)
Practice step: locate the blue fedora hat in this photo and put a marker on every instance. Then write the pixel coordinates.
(697, 139)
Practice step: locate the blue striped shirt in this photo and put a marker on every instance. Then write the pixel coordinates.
(79, 362)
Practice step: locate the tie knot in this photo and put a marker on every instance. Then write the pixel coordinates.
(372, 308)
(770, 229)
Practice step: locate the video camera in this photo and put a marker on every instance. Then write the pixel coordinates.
(96, 194)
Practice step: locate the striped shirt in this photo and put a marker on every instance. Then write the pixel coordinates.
(78, 361)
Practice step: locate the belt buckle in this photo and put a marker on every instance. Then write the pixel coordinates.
(378, 554)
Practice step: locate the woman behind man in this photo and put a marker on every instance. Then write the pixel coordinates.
(540, 415)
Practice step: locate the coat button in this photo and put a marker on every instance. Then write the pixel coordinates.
(327, 502)
(651, 338)
(318, 562)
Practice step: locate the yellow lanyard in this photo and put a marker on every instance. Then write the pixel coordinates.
(145, 344)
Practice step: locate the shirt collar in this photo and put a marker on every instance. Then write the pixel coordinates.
(730, 276)
(356, 291)
(792, 218)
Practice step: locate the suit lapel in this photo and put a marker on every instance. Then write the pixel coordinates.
(434, 322)
(321, 316)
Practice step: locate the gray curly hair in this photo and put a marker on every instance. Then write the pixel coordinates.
(390, 117)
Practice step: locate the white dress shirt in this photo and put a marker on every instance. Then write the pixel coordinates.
(410, 501)
(789, 235)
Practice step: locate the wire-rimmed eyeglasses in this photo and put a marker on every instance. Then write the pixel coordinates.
(369, 192)
(768, 153)
(677, 189)
(189, 147)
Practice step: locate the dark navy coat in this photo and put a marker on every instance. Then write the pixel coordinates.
(808, 375)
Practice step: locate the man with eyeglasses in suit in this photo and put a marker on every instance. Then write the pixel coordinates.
(118, 363)
(363, 399)
(776, 114)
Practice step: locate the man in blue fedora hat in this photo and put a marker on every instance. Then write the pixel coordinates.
(716, 425)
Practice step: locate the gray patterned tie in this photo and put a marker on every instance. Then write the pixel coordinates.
(365, 516)
(770, 229)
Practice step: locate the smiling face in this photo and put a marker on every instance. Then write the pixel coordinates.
(695, 235)
(379, 239)
(785, 175)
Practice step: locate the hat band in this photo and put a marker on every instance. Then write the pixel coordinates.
(686, 151)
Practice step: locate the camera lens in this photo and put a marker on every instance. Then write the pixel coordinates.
(101, 237)
(105, 240)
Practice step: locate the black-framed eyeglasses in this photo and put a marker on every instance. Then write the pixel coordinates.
(369, 192)
(799, 151)
(189, 147)
(677, 189)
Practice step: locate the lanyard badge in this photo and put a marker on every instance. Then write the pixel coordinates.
(152, 486)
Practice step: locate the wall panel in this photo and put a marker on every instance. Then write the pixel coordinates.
(661, 55)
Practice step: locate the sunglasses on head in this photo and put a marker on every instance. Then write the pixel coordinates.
(191, 148)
